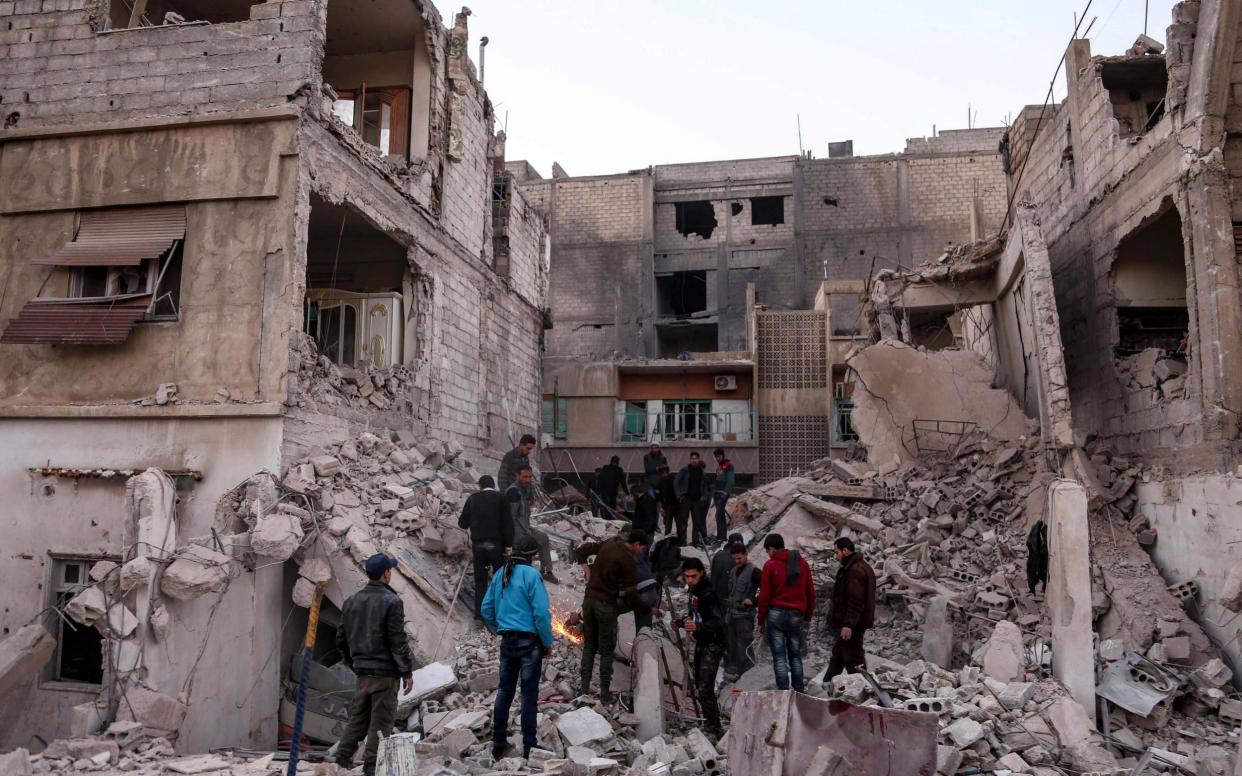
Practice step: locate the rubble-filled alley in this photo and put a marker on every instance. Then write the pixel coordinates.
(275, 306)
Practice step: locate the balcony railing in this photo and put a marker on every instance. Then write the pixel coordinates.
(649, 426)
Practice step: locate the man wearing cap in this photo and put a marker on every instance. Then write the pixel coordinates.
(516, 606)
(373, 643)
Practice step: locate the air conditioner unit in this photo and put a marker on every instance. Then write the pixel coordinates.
(726, 382)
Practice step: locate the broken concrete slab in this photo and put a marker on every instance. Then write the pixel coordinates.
(277, 536)
(964, 732)
(158, 713)
(1069, 590)
(137, 571)
(938, 633)
(1231, 592)
(22, 655)
(584, 726)
(15, 763)
(827, 762)
(196, 572)
(1003, 655)
(87, 607)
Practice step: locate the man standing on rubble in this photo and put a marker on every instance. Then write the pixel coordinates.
(667, 495)
(786, 602)
(740, 613)
(653, 461)
(516, 607)
(853, 608)
(514, 460)
(722, 486)
(693, 491)
(521, 500)
(722, 564)
(610, 481)
(373, 643)
(487, 518)
(612, 585)
(646, 511)
(706, 624)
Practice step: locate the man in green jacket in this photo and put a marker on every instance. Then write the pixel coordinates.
(612, 587)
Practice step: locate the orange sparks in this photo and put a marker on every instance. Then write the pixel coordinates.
(560, 628)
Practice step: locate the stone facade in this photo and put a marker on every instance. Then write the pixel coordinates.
(240, 122)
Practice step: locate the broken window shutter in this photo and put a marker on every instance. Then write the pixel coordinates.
(400, 143)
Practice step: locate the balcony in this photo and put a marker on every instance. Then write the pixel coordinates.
(683, 421)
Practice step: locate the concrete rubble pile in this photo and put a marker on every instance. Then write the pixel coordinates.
(324, 382)
(959, 634)
(1154, 369)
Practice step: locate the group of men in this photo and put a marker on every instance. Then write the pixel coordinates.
(682, 498)
(727, 604)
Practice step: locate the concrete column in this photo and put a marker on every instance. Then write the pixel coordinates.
(1069, 591)
(649, 688)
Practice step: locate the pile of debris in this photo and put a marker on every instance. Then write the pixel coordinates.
(1154, 369)
(959, 632)
(323, 382)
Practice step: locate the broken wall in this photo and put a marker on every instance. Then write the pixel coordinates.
(59, 66)
(48, 518)
(236, 258)
(1198, 540)
(890, 394)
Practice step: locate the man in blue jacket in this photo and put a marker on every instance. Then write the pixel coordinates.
(516, 606)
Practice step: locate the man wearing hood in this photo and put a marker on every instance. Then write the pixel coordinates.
(516, 606)
(853, 608)
(786, 602)
(706, 624)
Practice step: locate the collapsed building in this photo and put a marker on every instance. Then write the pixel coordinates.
(235, 234)
(657, 275)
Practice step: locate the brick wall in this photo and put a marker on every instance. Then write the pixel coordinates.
(957, 141)
(735, 170)
(56, 68)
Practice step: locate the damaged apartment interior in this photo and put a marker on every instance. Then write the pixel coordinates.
(273, 300)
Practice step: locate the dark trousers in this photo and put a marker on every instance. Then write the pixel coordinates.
(720, 498)
(847, 655)
(739, 636)
(670, 516)
(521, 657)
(371, 714)
(695, 510)
(785, 630)
(706, 662)
(486, 554)
(599, 637)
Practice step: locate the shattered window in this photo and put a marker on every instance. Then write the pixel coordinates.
(688, 420)
(767, 211)
(554, 417)
(695, 218)
(79, 648)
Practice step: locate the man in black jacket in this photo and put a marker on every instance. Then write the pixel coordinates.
(609, 482)
(486, 516)
(706, 624)
(669, 503)
(646, 511)
(653, 461)
(514, 460)
(373, 643)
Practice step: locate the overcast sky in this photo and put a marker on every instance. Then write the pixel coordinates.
(606, 86)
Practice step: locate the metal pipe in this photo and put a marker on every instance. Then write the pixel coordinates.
(482, 53)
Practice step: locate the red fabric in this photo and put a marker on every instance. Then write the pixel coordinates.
(774, 590)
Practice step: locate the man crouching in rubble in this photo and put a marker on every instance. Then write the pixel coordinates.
(853, 608)
(612, 586)
(372, 642)
(516, 606)
(706, 624)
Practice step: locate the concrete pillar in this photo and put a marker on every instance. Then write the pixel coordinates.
(1069, 591)
(649, 687)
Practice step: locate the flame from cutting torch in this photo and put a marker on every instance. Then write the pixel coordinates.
(560, 628)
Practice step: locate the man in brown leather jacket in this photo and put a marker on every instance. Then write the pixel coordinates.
(853, 608)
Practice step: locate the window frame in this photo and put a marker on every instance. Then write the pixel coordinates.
(399, 98)
(673, 420)
(157, 272)
(50, 677)
(556, 409)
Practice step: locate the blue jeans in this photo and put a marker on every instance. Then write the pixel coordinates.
(521, 656)
(785, 630)
(720, 498)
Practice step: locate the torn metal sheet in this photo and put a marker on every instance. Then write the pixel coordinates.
(778, 733)
(1136, 684)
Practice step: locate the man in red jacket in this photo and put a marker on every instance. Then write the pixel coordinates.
(786, 601)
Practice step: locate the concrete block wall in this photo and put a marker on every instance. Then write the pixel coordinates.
(733, 169)
(865, 193)
(942, 192)
(465, 204)
(527, 241)
(57, 67)
(957, 141)
(735, 229)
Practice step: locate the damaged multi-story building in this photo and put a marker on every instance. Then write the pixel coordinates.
(710, 304)
(1109, 305)
(235, 232)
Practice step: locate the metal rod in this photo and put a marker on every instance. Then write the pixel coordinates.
(312, 625)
